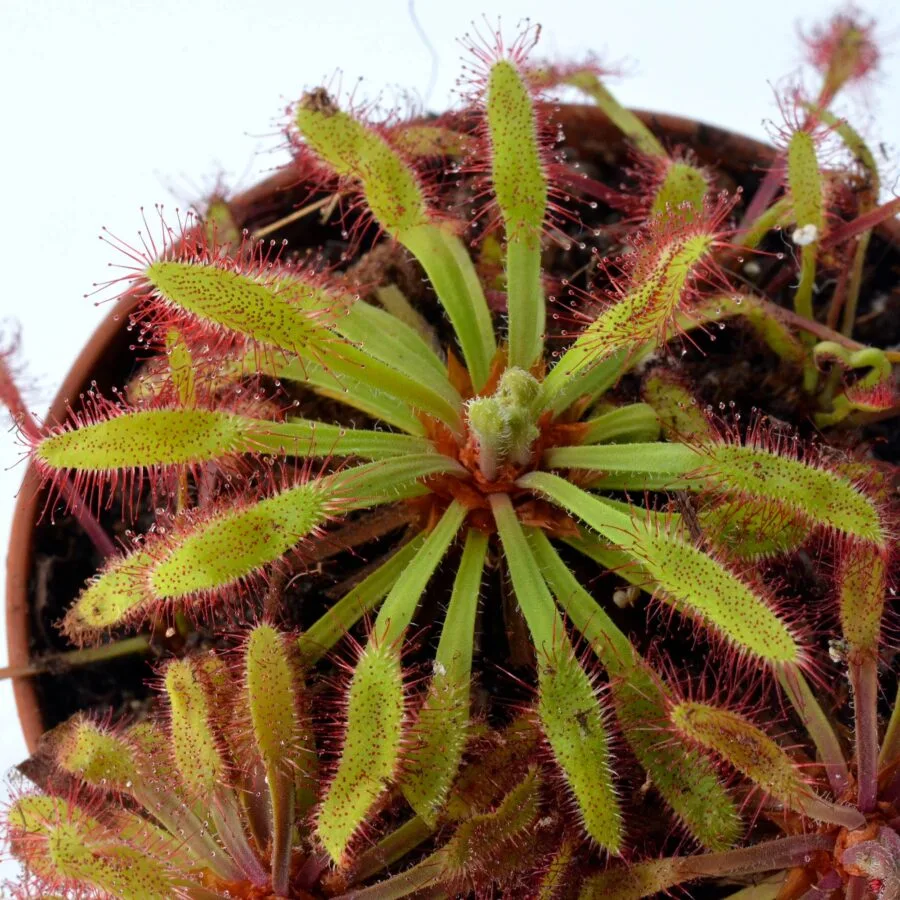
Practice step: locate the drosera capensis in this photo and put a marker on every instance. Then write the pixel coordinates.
(463, 711)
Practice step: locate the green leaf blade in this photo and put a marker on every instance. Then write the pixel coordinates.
(441, 729)
(681, 192)
(822, 497)
(292, 316)
(520, 187)
(862, 590)
(236, 543)
(643, 879)
(694, 582)
(568, 706)
(196, 746)
(95, 755)
(371, 750)
(117, 595)
(683, 776)
(642, 314)
(576, 728)
(278, 312)
(400, 604)
(280, 734)
(356, 151)
(146, 438)
(753, 753)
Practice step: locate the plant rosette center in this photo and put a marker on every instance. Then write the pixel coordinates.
(505, 436)
(872, 852)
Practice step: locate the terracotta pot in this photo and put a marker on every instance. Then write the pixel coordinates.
(106, 356)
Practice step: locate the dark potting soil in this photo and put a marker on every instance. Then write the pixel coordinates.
(729, 368)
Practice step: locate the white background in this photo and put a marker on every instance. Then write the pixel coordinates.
(106, 105)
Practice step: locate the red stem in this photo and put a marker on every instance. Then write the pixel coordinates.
(578, 182)
(892, 792)
(829, 882)
(864, 682)
(781, 854)
(764, 195)
(823, 332)
(312, 869)
(102, 542)
(862, 223)
(857, 888)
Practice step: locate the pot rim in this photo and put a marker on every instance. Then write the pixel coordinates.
(710, 142)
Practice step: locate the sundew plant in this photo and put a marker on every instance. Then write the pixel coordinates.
(530, 431)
